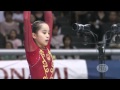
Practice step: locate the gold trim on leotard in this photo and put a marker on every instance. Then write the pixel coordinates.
(45, 64)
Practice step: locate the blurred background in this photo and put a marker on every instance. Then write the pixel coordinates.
(63, 37)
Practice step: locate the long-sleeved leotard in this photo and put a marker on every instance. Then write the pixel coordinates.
(40, 61)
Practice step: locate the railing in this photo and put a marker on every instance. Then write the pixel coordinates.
(63, 51)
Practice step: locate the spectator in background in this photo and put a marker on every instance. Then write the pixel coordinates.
(119, 15)
(8, 24)
(21, 57)
(86, 40)
(18, 16)
(8, 45)
(2, 41)
(39, 15)
(22, 47)
(80, 17)
(115, 45)
(2, 16)
(67, 44)
(55, 19)
(112, 19)
(97, 19)
(21, 26)
(84, 16)
(101, 16)
(56, 40)
(32, 18)
(12, 37)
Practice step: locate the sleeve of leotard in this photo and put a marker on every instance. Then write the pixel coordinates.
(49, 20)
(28, 40)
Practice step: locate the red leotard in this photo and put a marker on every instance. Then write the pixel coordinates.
(40, 61)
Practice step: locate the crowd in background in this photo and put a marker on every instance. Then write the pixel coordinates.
(63, 37)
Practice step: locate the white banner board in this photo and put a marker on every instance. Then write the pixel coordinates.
(64, 69)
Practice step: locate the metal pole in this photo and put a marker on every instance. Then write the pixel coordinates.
(101, 60)
(63, 52)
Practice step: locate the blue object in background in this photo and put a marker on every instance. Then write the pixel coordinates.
(112, 73)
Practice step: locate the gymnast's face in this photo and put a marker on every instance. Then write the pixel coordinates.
(42, 36)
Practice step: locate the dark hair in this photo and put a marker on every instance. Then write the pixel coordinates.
(56, 25)
(37, 18)
(9, 37)
(9, 43)
(8, 12)
(67, 36)
(13, 30)
(36, 26)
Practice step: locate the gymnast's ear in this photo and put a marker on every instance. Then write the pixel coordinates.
(34, 35)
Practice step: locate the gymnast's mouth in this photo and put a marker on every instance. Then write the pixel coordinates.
(46, 40)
